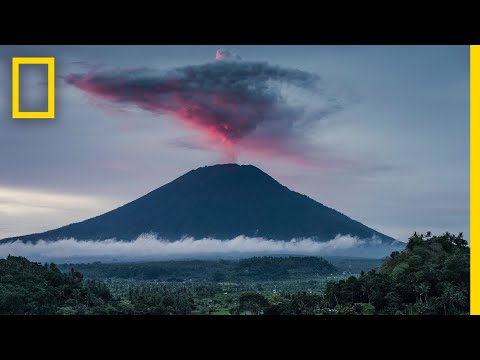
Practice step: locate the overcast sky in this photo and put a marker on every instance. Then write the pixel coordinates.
(394, 155)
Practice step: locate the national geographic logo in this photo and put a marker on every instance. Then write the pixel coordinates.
(16, 113)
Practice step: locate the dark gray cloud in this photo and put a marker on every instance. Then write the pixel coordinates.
(227, 100)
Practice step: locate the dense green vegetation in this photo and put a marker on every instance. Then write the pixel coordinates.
(31, 288)
(431, 276)
(255, 269)
(353, 265)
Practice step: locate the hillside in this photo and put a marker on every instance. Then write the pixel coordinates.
(431, 276)
(29, 288)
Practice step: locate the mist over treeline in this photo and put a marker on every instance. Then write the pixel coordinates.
(150, 247)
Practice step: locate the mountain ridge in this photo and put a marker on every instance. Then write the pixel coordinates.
(220, 201)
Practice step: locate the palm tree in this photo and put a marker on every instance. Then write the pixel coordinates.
(423, 290)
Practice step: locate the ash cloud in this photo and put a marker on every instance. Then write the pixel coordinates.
(150, 247)
(226, 55)
(237, 103)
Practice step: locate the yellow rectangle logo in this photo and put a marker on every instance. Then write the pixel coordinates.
(16, 113)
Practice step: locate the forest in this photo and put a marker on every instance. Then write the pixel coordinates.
(430, 276)
(255, 269)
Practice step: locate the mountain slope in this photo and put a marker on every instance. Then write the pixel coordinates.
(220, 201)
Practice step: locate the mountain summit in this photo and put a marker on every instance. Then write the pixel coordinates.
(221, 202)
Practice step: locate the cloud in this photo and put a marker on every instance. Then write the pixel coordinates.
(240, 104)
(148, 246)
(24, 202)
(31, 210)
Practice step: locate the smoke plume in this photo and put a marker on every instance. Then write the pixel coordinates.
(235, 103)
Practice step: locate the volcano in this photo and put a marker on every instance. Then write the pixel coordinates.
(221, 202)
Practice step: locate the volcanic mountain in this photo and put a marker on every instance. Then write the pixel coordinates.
(221, 202)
